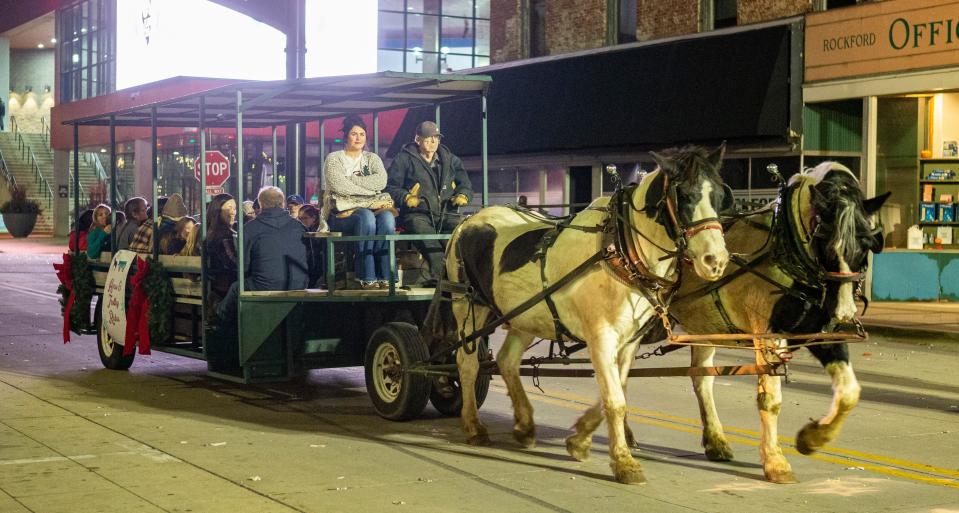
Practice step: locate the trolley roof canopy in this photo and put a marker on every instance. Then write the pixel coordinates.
(274, 103)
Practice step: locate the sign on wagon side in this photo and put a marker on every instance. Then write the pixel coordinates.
(114, 295)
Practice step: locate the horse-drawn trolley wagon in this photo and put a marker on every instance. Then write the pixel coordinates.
(601, 281)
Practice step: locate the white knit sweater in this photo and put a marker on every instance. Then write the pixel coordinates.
(345, 177)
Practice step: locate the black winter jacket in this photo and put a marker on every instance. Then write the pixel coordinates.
(274, 252)
(408, 168)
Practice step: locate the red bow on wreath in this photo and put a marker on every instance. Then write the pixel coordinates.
(65, 274)
(138, 328)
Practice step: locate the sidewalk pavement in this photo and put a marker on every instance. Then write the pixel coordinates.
(913, 318)
(33, 245)
(927, 319)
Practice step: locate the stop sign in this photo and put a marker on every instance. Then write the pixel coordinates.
(217, 169)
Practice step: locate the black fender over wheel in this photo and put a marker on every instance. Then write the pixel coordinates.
(446, 394)
(396, 395)
(111, 353)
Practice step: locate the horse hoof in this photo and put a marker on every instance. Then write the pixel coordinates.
(630, 475)
(631, 440)
(811, 438)
(579, 451)
(781, 476)
(526, 438)
(719, 452)
(480, 440)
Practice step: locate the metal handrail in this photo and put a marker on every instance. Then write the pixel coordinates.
(45, 130)
(11, 181)
(41, 181)
(27, 154)
(81, 192)
(101, 172)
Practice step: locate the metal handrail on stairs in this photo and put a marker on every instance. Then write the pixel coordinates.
(11, 181)
(27, 154)
(42, 184)
(45, 131)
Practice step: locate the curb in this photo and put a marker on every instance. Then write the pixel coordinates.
(899, 331)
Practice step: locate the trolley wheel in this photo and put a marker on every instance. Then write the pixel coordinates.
(111, 353)
(447, 397)
(395, 395)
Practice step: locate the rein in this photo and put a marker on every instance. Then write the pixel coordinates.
(618, 249)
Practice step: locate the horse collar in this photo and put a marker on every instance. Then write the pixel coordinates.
(793, 248)
(625, 257)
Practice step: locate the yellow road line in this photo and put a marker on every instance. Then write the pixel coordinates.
(879, 464)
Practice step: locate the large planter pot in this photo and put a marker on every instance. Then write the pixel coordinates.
(19, 225)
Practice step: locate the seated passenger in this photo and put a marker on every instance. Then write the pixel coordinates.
(78, 237)
(191, 247)
(220, 246)
(427, 181)
(172, 241)
(354, 203)
(248, 213)
(273, 249)
(98, 237)
(142, 241)
(136, 213)
(293, 204)
(315, 248)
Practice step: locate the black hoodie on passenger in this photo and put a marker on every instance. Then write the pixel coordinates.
(274, 252)
(409, 168)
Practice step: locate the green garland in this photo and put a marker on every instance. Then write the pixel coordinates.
(84, 286)
(160, 296)
(64, 297)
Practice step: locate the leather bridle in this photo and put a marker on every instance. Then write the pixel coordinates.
(685, 232)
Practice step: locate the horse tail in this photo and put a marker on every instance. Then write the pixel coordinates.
(439, 325)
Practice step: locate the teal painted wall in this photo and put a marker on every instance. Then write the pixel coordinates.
(919, 276)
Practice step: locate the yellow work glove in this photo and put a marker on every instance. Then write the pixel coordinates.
(459, 200)
(413, 198)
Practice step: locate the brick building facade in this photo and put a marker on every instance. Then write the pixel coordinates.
(576, 25)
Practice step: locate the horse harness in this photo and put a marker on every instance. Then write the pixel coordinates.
(789, 253)
(620, 252)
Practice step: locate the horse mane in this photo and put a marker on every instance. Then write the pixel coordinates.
(689, 162)
(838, 200)
(682, 165)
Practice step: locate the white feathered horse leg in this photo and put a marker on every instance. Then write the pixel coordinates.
(508, 360)
(468, 367)
(604, 354)
(580, 443)
(769, 399)
(714, 439)
(845, 397)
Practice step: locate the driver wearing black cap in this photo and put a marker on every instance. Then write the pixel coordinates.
(428, 182)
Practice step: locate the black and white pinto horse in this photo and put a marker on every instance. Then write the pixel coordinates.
(495, 252)
(816, 254)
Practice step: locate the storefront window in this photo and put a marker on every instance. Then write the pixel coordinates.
(897, 153)
(433, 36)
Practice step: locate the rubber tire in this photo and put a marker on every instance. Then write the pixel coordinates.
(452, 406)
(111, 356)
(414, 389)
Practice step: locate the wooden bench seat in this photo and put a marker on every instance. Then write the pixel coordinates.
(187, 290)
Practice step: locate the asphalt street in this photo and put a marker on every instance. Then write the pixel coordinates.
(164, 437)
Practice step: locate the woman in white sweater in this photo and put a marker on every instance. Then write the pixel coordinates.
(354, 203)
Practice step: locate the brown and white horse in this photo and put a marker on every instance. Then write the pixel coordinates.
(833, 231)
(495, 252)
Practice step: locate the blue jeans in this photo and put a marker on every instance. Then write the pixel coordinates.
(372, 257)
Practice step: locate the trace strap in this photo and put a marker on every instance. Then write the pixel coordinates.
(529, 303)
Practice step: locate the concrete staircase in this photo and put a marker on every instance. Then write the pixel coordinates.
(22, 169)
(21, 165)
